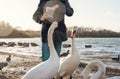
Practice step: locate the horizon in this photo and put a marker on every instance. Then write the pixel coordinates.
(10, 28)
(103, 14)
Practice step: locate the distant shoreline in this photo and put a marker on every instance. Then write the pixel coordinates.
(82, 32)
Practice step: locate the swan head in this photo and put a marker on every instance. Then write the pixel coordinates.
(74, 32)
(97, 75)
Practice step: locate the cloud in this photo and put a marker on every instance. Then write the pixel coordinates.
(109, 13)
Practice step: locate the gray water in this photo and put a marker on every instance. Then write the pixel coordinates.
(100, 46)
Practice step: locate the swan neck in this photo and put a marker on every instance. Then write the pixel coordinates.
(101, 70)
(73, 45)
(50, 42)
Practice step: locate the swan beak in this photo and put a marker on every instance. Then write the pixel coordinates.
(73, 34)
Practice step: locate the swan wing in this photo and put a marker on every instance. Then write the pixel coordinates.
(42, 71)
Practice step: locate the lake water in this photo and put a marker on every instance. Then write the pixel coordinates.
(108, 47)
(100, 46)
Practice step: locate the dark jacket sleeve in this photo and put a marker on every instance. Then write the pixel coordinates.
(41, 1)
(39, 12)
(69, 9)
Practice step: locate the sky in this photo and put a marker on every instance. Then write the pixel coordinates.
(88, 13)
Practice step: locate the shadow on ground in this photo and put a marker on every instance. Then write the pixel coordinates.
(3, 77)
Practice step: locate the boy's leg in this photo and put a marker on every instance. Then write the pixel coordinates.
(58, 47)
(45, 51)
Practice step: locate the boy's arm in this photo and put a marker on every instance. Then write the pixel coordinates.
(69, 9)
(39, 12)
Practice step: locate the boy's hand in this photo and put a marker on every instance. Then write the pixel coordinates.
(49, 12)
(45, 16)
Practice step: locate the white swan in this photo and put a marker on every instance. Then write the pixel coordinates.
(86, 72)
(49, 68)
(71, 62)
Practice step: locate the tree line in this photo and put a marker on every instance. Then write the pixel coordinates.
(81, 32)
(90, 32)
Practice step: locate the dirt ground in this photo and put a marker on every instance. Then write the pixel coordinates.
(20, 64)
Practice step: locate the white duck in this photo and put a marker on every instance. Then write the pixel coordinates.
(86, 72)
(49, 68)
(71, 62)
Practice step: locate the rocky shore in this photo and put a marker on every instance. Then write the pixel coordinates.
(20, 64)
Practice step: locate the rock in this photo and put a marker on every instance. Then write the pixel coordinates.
(2, 65)
(20, 44)
(66, 45)
(11, 44)
(34, 44)
(25, 44)
(88, 46)
(3, 43)
(116, 58)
